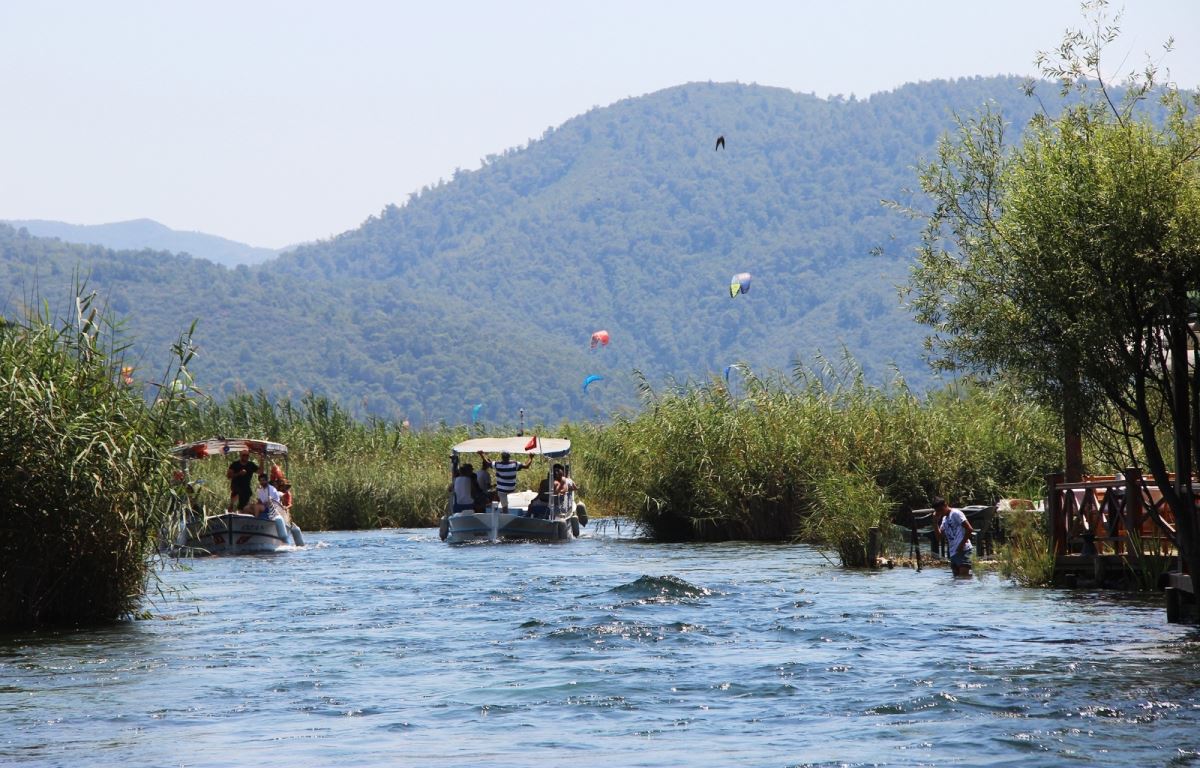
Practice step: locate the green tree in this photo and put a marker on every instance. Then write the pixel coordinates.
(1065, 262)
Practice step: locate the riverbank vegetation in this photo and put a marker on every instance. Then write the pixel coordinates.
(84, 470)
(822, 457)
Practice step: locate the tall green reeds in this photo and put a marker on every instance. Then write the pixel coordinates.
(84, 470)
(819, 456)
(843, 510)
(1026, 556)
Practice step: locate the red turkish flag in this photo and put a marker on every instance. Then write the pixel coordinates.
(532, 444)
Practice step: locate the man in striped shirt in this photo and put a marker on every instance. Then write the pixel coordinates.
(506, 475)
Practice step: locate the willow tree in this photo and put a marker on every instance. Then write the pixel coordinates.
(1064, 260)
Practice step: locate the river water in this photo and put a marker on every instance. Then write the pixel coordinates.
(392, 648)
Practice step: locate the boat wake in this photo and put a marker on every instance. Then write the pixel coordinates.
(661, 589)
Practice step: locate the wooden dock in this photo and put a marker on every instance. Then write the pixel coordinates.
(1116, 531)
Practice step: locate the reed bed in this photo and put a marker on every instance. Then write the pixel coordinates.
(819, 457)
(84, 471)
(1025, 555)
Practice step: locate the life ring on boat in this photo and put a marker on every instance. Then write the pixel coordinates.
(581, 513)
(575, 527)
(444, 528)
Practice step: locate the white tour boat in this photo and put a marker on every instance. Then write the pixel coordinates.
(558, 519)
(198, 531)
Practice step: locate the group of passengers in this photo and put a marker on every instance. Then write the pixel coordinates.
(472, 488)
(274, 494)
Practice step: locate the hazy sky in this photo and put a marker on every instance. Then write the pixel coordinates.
(278, 122)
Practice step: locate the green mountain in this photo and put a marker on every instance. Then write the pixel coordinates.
(486, 288)
(147, 233)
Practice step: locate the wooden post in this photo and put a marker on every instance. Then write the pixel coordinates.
(916, 540)
(1172, 595)
(1074, 455)
(1134, 509)
(1056, 523)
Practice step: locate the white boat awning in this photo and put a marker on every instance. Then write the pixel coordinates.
(221, 446)
(554, 447)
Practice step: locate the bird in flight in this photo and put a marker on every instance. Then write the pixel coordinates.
(720, 143)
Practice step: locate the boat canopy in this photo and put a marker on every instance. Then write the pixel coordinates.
(222, 446)
(552, 447)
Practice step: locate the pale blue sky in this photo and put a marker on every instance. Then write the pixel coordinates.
(284, 121)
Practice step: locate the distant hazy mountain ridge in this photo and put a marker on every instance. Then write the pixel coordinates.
(486, 288)
(147, 233)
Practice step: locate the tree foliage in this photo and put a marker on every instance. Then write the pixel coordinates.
(1065, 261)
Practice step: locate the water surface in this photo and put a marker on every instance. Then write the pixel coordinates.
(392, 648)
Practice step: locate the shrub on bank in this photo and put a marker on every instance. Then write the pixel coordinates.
(1026, 556)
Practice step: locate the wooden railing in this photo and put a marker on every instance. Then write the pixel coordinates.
(1109, 515)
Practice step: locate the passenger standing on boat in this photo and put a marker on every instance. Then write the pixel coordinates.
(466, 490)
(956, 530)
(506, 475)
(239, 474)
(484, 481)
(563, 482)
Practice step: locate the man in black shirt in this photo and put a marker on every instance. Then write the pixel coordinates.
(239, 474)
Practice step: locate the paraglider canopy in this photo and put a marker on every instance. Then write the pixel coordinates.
(590, 380)
(739, 284)
(599, 338)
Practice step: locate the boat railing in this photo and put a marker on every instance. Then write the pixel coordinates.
(561, 505)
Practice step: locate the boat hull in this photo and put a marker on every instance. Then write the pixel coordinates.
(232, 534)
(464, 527)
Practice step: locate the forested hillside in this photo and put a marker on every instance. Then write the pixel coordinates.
(486, 287)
